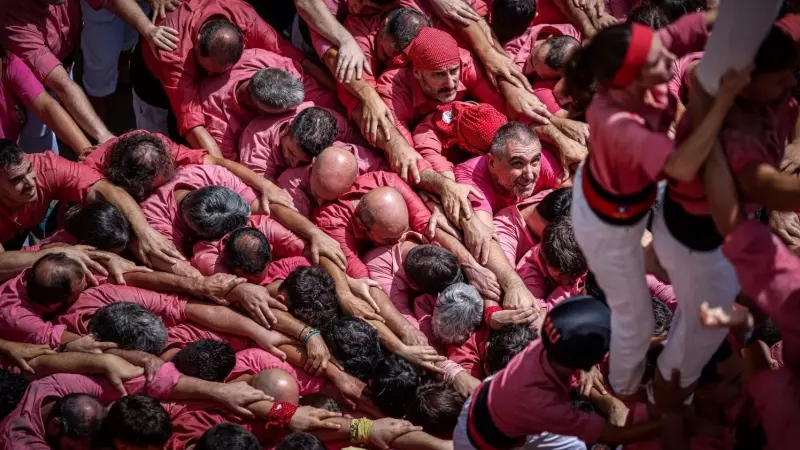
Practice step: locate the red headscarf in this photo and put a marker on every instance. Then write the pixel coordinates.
(433, 49)
(471, 126)
(635, 56)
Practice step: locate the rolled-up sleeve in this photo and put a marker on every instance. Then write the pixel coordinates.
(427, 143)
(333, 220)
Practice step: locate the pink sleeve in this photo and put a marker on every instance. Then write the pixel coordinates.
(329, 219)
(178, 75)
(628, 131)
(182, 155)
(207, 258)
(418, 213)
(164, 381)
(257, 144)
(467, 354)
(280, 270)
(261, 35)
(662, 291)
(543, 90)
(255, 360)
(229, 180)
(30, 46)
(291, 180)
(532, 275)
(396, 94)
(22, 81)
(465, 173)
(284, 243)
(427, 143)
(550, 172)
(380, 262)
(67, 180)
(507, 233)
(519, 48)
(170, 307)
(423, 312)
(22, 325)
(687, 34)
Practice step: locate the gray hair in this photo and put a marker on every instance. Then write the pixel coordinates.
(276, 89)
(512, 131)
(458, 312)
(130, 326)
(214, 211)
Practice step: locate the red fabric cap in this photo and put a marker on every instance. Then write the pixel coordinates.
(635, 56)
(471, 126)
(433, 49)
(790, 25)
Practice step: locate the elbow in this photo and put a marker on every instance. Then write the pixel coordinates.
(680, 173)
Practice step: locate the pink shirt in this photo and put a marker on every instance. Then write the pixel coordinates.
(520, 48)
(260, 147)
(622, 125)
(527, 397)
(776, 395)
(639, 414)
(533, 271)
(662, 291)
(280, 270)
(18, 88)
(24, 428)
(21, 319)
(423, 313)
(171, 308)
(161, 208)
(56, 178)
(181, 335)
(208, 255)
(337, 219)
(179, 72)
(475, 172)
(225, 117)
(255, 360)
(681, 78)
(403, 95)
(41, 35)
(513, 234)
(471, 354)
(296, 180)
(180, 154)
(385, 266)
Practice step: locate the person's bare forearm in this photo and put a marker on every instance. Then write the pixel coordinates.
(433, 182)
(338, 276)
(57, 119)
(163, 282)
(420, 440)
(394, 320)
(124, 202)
(198, 137)
(223, 319)
(319, 18)
(388, 338)
(498, 263)
(288, 324)
(294, 221)
(76, 102)
(249, 177)
(73, 362)
(475, 35)
(577, 17)
(131, 13)
(359, 87)
(13, 262)
(135, 357)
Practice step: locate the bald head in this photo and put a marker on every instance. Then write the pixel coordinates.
(219, 45)
(55, 281)
(333, 173)
(277, 383)
(384, 214)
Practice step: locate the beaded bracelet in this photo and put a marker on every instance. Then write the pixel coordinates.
(300, 336)
(487, 314)
(310, 334)
(281, 414)
(360, 430)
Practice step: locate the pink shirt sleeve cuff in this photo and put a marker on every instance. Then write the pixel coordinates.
(164, 381)
(44, 64)
(54, 338)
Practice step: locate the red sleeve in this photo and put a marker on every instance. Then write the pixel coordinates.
(284, 243)
(467, 355)
(29, 45)
(543, 90)
(532, 275)
(64, 179)
(261, 35)
(207, 258)
(291, 180)
(418, 214)
(280, 270)
(182, 155)
(178, 72)
(395, 91)
(22, 325)
(427, 143)
(331, 219)
(687, 34)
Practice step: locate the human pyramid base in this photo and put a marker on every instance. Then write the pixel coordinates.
(400, 224)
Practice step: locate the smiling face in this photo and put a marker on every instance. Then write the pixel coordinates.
(517, 169)
(18, 183)
(440, 85)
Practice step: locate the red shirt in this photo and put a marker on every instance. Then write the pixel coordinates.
(180, 154)
(255, 360)
(171, 308)
(475, 172)
(161, 208)
(520, 48)
(337, 219)
(208, 255)
(533, 272)
(622, 124)
(21, 319)
(179, 71)
(18, 88)
(41, 35)
(181, 335)
(513, 234)
(56, 179)
(471, 354)
(404, 97)
(280, 270)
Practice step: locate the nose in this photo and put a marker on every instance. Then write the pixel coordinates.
(452, 82)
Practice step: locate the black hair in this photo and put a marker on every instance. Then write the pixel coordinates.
(663, 317)
(75, 419)
(300, 441)
(505, 344)
(276, 89)
(768, 332)
(674, 9)
(558, 53)
(227, 436)
(649, 14)
(393, 385)
(52, 284)
(432, 269)
(593, 288)
(560, 249)
(130, 326)
(354, 343)
(12, 388)
(322, 401)
(311, 296)
(138, 420)
(435, 407)
(248, 250)
(315, 129)
(206, 359)
(214, 211)
(224, 52)
(777, 52)
(135, 161)
(10, 154)
(510, 18)
(555, 204)
(99, 224)
(403, 25)
(597, 61)
(709, 373)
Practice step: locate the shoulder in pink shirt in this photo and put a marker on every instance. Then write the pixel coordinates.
(513, 234)
(534, 274)
(21, 319)
(180, 154)
(181, 335)
(18, 88)
(255, 360)
(225, 117)
(520, 48)
(471, 354)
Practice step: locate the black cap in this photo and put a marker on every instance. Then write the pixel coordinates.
(576, 333)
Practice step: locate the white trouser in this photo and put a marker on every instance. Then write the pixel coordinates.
(105, 35)
(541, 441)
(149, 117)
(696, 277)
(35, 136)
(738, 32)
(614, 255)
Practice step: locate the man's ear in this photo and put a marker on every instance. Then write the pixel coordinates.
(417, 74)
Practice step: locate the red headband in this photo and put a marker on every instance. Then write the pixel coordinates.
(635, 56)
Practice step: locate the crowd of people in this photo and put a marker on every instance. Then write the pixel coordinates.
(407, 224)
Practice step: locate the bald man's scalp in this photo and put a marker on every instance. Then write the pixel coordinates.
(277, 383)
(334, 172)
(385, 207)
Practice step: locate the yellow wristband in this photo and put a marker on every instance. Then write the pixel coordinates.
(360, 430)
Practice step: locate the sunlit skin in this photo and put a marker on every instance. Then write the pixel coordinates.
(390, 213)
(440, 85)
(221, 38)
(291, 151)
(657, 68)
(517, 170)
(333, 173)
(18, 185)
(278, 384)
